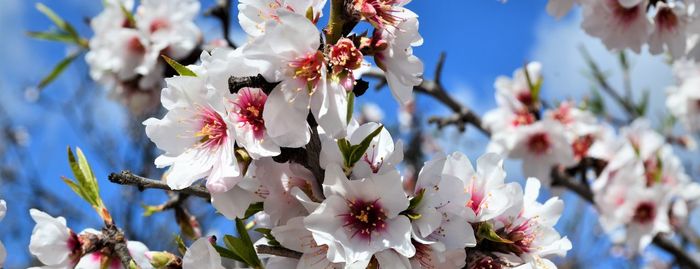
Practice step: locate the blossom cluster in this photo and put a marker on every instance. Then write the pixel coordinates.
(125, 51)
(665, 26)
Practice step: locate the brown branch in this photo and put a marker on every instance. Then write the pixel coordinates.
(127, 178)
(278, 251)
(463, 115)
(222, 11)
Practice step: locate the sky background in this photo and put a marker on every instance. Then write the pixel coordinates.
(482, 38)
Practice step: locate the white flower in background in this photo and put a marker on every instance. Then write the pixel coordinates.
(169, 25)
(370, 112)
(515, 92)
(645, 214)
(670, 29)
(541, 146)
(361, 217)
(403, 70)
(3, 252)
(577, 122)
(559, 8)
(52, 242)
(196, 136)
(382, 155)
(254, 15)
(295, 236)
(531, 228)
(620, 24)
(290, 48)
(201, 254)
(684, 103)
(125, 53)
(443, 223)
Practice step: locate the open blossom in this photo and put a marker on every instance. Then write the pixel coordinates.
(295, 236)
(670, 29)
(684, 102)
(620, 24)
(515, 92)
(254, 15)
(196, 135)
(530, 225)
(290, 48)
(52, 242)
(123, 52)
(403, 70)
(360, 218)
(443, 224)
(540, 146)
(382, 155)
(201, 254)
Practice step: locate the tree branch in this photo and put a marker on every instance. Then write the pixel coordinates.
(278, 251)
(434, 88)
(127, 178)
(602, 81)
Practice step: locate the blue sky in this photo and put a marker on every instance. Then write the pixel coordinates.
(482, 38)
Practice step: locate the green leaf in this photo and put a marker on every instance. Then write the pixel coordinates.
(52, 36)
(360, 149)
(351, 106)
(129, 17)
(534, 87)
(181, 69)
(181, 247)
(225, 253)
(58, 21)
(57, 70)
(247, 248)
(252, 209)
(596, 104)
(485, 231)
(413, 215)
(643, 104)
(85, 184)
(415, 201)
(267, 233)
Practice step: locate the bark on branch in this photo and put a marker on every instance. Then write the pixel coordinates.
(278, 251)
(127, 178)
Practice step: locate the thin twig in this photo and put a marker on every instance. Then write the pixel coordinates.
(602, 81)
(128, 178)
(222, 11)
(278, 251)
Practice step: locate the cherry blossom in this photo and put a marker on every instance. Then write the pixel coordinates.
(620, 24)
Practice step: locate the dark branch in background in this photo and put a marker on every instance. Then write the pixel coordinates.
(235, 84)
(127, 178)
(462, 116)
(278, 251)
(559, 177)
(222, 11)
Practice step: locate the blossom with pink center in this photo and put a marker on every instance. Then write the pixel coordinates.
(514, 92)
(289, 50)
(530, 226)
(345, 58)
(361, 217)
(52, 242)
(380, 13)
(254, 15)
(541, 146)
(246, 110)
(196, 135)
(670, 29)
(170, 25)
(619, 24)
(403, 70)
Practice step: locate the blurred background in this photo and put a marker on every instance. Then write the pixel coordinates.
(482, 39)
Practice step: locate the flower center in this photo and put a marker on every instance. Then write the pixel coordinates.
(249, 109)
(581, 146)
(624, 16)
(213, 130)
(135, 46)
(645, 213)
(375, 166)
(539, 143)
(525, 97)
(344, 56)
(666, 19)
(364, 218)
(523, 117)
(308, 68)
(380, 13)
(158, 24)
